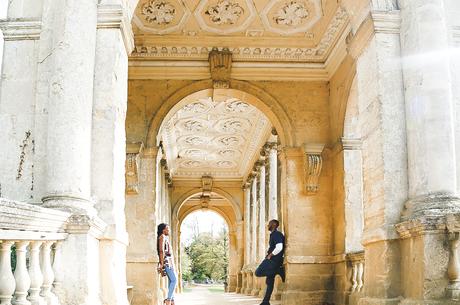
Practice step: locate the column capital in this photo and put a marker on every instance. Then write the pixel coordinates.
(351, 144)
(115, 17)
(387, 22)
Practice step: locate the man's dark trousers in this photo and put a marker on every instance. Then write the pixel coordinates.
(268, 268)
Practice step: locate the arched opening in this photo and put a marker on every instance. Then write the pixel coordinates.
(215, 145)
(205, 251)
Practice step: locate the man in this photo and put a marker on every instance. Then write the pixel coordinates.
(273, 263)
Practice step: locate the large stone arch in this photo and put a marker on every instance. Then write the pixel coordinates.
(243, 90)
(193, 191)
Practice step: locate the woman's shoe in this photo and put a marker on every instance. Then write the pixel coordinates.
(167, 302)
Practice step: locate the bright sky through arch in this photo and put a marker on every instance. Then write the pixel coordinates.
(200, 222)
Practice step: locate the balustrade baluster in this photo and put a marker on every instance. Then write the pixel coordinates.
(35, 273)
(360, 277)
(354, 277)
(48, 275)
(21, 275)
(7, 282)
(58, 269)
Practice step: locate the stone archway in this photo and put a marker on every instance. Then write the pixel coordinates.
(240, 89)
(230, 212)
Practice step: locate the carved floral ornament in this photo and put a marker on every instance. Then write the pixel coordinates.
(159, 12)
(291, 14)
(225, 12)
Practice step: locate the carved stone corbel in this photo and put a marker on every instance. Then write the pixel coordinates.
(132, 167)
(313, 166)
(220, 65)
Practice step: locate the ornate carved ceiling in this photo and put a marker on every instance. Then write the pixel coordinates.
(216, 138)
(254, 30)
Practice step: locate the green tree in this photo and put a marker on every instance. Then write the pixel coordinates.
(208, 256)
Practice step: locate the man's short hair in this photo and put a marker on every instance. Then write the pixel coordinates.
(276, 222)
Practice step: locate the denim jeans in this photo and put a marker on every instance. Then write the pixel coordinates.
(172, 282)
(269, 269)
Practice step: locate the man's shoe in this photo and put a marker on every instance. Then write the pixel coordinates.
(282, 273)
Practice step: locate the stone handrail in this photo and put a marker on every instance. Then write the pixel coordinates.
(33, 234)
(356, 261)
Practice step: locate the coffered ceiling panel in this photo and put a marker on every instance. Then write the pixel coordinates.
(254, 30)
(217, 138)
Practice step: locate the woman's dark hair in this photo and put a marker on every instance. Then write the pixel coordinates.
(160, 229)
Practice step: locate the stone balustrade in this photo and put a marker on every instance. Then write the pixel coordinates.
(30, 265)
(357, 264)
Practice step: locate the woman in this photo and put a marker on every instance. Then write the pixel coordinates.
(166, 260)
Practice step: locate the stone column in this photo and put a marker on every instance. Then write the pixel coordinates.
(375, 46)
(262, 221)
(21, 33)
(273, 181)
(70, 104)
(113, 44)
(353, 188)
(254, 220)
(66, 88)
(247, 224)
(430, 111)
(429, 108)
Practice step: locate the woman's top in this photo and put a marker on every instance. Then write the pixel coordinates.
(167, 252)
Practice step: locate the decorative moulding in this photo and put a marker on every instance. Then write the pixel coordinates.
(313, 166)
(132, 167)
(21, 29)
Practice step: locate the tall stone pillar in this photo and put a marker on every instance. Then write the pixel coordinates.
(429, 107)
(247, 224)
(375, 45)
(254, 220)
(261, 228)
(432, 174)
(113, 44)
(69, 30)
(17, 95)
(273, 181)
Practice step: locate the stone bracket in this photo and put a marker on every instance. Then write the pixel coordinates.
(313, 166)
(132, 167)
(220, 66)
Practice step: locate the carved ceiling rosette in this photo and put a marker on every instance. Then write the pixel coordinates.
(161, 16)
(233, 125)
(229, 141)
(225, 164)
(225, 16)
(295, 16)
(236, 106)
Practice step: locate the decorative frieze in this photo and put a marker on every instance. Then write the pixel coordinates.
(132, 167)
(313, 166)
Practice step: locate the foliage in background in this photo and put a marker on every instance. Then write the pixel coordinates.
(206, 257)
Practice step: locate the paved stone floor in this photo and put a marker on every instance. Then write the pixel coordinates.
(205, 296)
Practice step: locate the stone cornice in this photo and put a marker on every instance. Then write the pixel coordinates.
(16, 215)
(387, 22)
(21, 29)
(114, 17)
